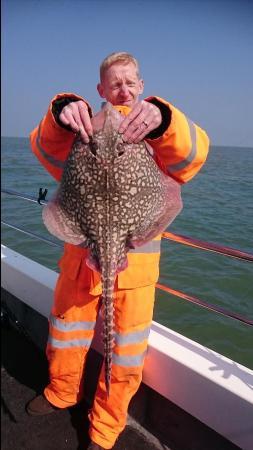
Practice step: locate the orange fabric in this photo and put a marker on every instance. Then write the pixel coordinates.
(124, 110)
(176, 146)
(142, 270)
(133, 310)
(133, 313)
(53, 139)
(66, 365)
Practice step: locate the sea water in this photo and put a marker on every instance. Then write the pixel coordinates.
(218, 208)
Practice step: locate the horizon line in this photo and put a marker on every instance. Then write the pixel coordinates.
(211, 145)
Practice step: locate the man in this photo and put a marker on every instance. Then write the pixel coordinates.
(180, 149)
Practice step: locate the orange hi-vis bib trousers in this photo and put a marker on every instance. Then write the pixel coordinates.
(71, 330)
(180, 152)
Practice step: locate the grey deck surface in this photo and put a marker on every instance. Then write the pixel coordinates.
(24, 373)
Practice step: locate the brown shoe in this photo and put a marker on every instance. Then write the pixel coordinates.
(94, 446)
(40, 406)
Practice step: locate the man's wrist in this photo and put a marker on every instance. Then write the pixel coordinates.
(166, 119)
(57, 108)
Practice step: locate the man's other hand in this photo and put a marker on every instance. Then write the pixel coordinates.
(76, 115)
(143, 119)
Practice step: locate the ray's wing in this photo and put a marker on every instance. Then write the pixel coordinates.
(164, 210)
(58, 224)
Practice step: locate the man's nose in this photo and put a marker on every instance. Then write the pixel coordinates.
(124, 89)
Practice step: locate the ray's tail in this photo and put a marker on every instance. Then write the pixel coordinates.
(108, 279)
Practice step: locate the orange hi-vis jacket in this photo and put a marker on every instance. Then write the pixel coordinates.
(180, 152)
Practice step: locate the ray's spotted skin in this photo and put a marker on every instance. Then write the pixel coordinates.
(112, 197)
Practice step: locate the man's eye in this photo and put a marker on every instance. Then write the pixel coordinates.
(94, 148)
(120, 149)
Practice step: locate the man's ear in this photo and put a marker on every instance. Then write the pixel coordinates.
(141, 86)
(100, 90)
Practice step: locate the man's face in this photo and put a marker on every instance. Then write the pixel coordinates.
(121, 85)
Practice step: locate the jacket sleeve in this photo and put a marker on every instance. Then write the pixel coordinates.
(50, 142)
(182, 148)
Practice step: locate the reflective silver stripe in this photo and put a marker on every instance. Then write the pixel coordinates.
(128, 360)
(150, 247)
(71, 326)
(132, 338)
(49, 158)
(69, 343)
(181, 165)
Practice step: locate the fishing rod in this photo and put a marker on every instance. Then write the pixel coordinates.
(40, 199)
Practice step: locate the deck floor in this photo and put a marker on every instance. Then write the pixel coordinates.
(24, 374)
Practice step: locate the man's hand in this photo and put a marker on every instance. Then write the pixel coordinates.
(143, 119)
(76, 115)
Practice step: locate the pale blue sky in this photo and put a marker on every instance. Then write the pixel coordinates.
(196, 54)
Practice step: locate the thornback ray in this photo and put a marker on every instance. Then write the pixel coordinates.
(112, 197)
